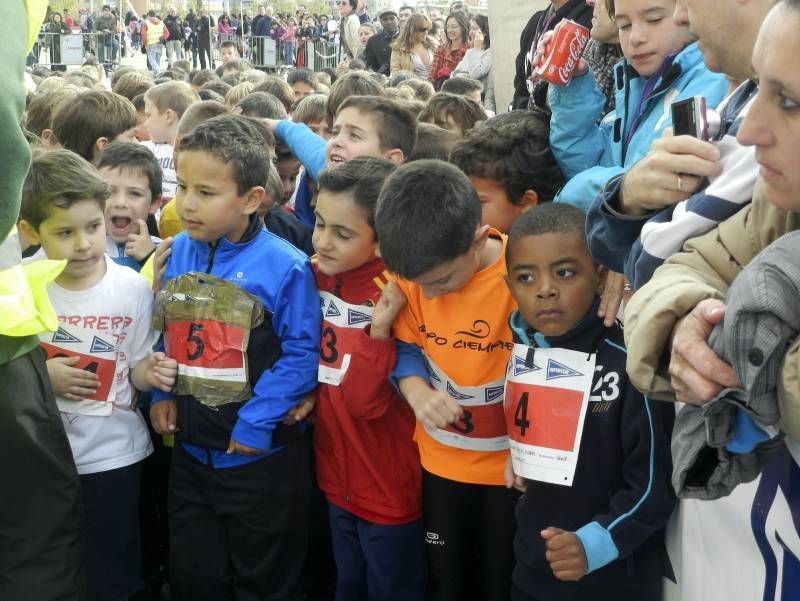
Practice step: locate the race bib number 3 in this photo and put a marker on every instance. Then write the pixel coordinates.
(545, 406)
(97, 353)
(207, 349)
(342, 324)
(482, 426)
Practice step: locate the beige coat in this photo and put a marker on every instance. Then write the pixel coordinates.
(704, 269)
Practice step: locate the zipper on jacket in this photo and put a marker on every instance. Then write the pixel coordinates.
(337, 286)
(211, 257)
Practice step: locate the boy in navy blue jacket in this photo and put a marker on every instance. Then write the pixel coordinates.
(239, 489)
(601, 538)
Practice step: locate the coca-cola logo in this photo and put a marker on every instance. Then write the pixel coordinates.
(576, 45)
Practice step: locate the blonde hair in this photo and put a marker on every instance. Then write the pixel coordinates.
(175, 95)
(238, 92)
(405, 41)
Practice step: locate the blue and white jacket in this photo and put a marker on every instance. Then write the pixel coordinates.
(282, 354)
(309, 149)
(589, 154)
(620, 498)
(637, 245)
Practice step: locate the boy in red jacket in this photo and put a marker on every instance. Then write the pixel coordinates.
(367, 463)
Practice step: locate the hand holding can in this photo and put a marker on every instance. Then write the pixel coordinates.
(559, 53)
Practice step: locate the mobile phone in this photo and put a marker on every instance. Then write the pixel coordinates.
(689, 118)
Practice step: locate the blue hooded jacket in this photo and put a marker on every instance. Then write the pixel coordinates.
(589, 154)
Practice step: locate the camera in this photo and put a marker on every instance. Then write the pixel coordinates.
(690, 117)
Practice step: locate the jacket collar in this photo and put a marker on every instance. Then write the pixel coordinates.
(686, 59)
(584, 337)
(353, 283)
(224, 246)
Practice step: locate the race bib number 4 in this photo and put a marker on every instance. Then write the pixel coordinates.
(97, 353)
(482, 426)
(546, 398)
(342, 324)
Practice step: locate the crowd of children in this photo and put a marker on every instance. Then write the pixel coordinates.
(323, 338)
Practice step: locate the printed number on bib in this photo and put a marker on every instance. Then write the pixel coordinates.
(97, 353)
(342, 325)
(482, 425)
(208, 349)
(545, 406)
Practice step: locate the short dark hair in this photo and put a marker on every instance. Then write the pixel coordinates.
(80, 121)
(362, 178)
(218, 86)
(427, 215)
(433, 142)
(397, 127)
(353, 83)
(136, 157)
(550, 218)
(461, 86)
(236, 140)
(463, 111)
(210, 95)
(512, 149)
(203, 76)
(262, 105)
(59, 178)
(306, 76)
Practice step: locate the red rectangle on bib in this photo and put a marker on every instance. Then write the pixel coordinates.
(104, 369)
(542, 416)
(480, 421)
(205, 343)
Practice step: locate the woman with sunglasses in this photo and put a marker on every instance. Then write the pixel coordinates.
(413, 51)
(348, 28)
(450, 54)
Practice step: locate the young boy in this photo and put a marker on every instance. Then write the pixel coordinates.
(89, 121)
(100, 352)
(508, 161)
(367, 464)
(453, 346)
(288, 168)
(164, 106)
(466, 87)
(311, 111)
(134, 177)
(228, 52)
(303, 83)
(239, 488)
(363, 126)
(458, 114)
(582, 541)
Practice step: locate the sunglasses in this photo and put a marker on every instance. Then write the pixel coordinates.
(342, 3)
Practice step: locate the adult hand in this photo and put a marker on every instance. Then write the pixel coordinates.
(697, 374)
(565, 554)
(613, 292)
(139, 244)
(389, 305)
(670, 172)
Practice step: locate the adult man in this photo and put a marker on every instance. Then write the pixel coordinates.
(203, 32)
(527, 92)
(379, 47)
(727, 32)
(175, 40)
(106, 27)
(260, 14)
(643, 217)
(405, 14)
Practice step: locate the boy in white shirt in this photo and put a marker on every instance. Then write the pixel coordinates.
(100, 352)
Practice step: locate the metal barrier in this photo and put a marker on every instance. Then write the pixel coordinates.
(321, 54)
(63, 49)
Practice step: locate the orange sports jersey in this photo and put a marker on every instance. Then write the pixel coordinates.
(467, 342)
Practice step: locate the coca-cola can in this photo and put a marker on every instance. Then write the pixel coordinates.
(564, 51)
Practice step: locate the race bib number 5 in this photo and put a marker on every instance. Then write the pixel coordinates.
(207, 349)
(546, 397)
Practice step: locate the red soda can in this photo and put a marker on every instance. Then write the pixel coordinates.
(565, 50)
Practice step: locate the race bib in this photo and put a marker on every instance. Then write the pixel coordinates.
(482, 426)
(206, 323)
(546, 397)
(97, 352)
(342, 324)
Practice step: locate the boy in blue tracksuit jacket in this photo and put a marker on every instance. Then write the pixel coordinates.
(240, 479)
(659, 68)
(600, 539)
